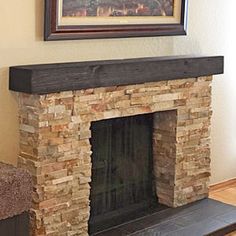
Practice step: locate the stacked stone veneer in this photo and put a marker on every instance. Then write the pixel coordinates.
(55, 146)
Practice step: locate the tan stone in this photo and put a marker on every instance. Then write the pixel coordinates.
(56, 109)
(62, 180)
(167, 97)
(47, 203)
(55, 145)
(27, 128)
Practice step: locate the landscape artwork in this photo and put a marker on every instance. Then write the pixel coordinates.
(93, 19)
(114, 8)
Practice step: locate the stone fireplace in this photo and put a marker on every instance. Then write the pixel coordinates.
(58, 103)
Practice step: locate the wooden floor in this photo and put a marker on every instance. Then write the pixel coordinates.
(225, 192)
(231, 234)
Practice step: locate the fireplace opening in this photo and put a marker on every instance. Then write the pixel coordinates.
(122, 187)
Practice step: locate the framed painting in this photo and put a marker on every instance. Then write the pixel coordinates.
(87, 19)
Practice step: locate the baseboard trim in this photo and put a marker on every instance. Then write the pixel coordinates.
(222, 185)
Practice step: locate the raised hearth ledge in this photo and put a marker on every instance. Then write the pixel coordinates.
(50, 78)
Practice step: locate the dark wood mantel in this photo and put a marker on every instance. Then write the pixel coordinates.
(49, 78)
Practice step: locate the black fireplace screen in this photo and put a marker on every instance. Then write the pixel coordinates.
(122, 170)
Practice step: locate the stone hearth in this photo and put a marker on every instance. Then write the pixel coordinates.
(55, 146)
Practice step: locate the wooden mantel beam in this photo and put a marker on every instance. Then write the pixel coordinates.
(50, 78)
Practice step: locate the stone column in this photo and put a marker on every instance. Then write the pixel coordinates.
(164, 155)
(55, 150)
(182, 145)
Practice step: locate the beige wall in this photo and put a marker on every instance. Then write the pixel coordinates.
(21, 43)
(211, 31)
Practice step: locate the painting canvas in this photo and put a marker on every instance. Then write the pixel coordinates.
(78, 19)
(111, 8)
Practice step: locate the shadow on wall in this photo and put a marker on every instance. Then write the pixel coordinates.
(39, 19)
(8, 120)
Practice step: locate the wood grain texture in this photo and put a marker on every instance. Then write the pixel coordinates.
(224, 192)
(49, 78)
(232, 234)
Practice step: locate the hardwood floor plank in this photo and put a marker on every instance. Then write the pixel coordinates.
(225, 192)
(232, 234)
(226, 195)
